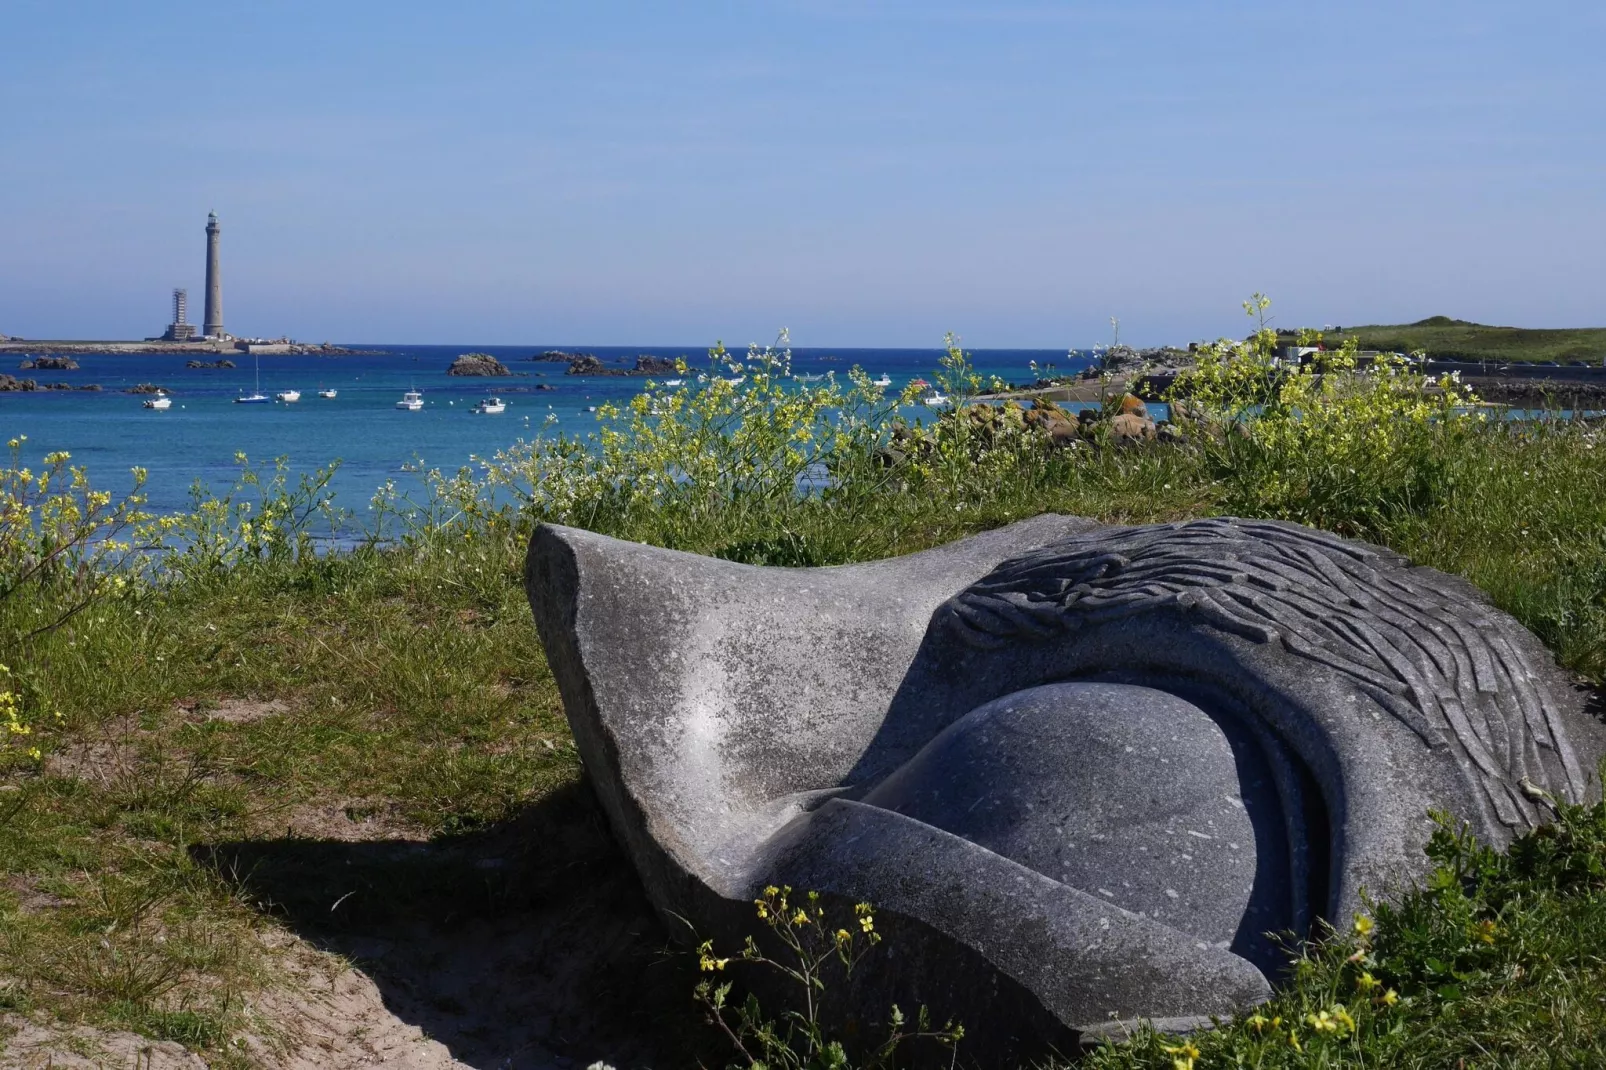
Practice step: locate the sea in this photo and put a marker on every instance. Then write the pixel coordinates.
(198, 439)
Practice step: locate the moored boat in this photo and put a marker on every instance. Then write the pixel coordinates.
(412, 401)
(491, 406)
(288, 396)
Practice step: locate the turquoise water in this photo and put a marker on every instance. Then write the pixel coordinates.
(198, 437)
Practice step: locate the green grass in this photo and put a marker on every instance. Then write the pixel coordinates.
(146, 861)
(1498, 961)
(1452, 339)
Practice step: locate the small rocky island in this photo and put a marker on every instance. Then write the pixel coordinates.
(53, 364)
(591, 364)
(224, 363)
(644, 365)
(482, 364)
(11, 384)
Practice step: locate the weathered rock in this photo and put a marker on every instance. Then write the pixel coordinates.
(146, 388)
(644, 365)
(477, 364)
(1080, 770)
(224, 363)
(558, 356)
(1128, 429)
(54, 364)
(9, 383)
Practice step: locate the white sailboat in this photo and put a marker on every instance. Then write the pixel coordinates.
(256, 397)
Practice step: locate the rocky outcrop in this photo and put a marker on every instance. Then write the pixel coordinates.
(482, 364)
(225, 363)
(146, 388)
(10, 383)
(558, 356)
(644, 365)
(1124, 360)
(49, 364)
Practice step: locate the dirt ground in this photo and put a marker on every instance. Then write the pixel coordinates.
(523, 947)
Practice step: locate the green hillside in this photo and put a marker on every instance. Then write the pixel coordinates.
(1441, 336)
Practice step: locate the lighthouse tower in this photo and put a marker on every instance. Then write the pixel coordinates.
(212, 324)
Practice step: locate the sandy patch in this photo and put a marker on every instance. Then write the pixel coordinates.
(233, 710)
(332, 1017)
(36, 1045)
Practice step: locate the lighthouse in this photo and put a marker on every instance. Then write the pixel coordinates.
(212, 324)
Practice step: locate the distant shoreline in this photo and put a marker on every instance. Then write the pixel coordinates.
(15, 345)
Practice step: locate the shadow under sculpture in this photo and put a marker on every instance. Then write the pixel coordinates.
(1082, 771)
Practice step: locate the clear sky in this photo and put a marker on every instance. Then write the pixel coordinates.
(864, 172)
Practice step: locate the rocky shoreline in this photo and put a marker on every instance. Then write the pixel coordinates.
(10, 384)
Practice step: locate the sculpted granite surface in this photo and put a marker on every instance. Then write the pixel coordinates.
(1082, 771)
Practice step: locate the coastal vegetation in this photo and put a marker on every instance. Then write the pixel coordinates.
(232, 758)
(1443, 338)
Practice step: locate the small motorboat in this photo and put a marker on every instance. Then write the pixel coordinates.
(412, 401)
(738, 381)
(808, 378)
(883, 382)
(288, 396)
(253, 399)
(491, 406)
(935, 401)
(160, 401)
(673, 382)
(328, 393)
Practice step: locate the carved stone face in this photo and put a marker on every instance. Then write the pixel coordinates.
(1081, 771)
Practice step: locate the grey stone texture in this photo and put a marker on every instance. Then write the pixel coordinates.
(1081, 771)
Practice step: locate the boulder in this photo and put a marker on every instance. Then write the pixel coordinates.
(146, 388)
(1079, 770)
(1128, 429)
(482, 364)
(9, 383)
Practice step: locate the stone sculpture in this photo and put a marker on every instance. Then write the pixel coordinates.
(1082, 771)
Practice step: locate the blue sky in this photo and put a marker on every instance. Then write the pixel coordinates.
(866, 173)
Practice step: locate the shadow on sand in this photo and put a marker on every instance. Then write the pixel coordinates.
(528, 944)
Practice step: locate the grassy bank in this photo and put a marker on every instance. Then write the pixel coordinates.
(236, 770)
(1451, 339)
